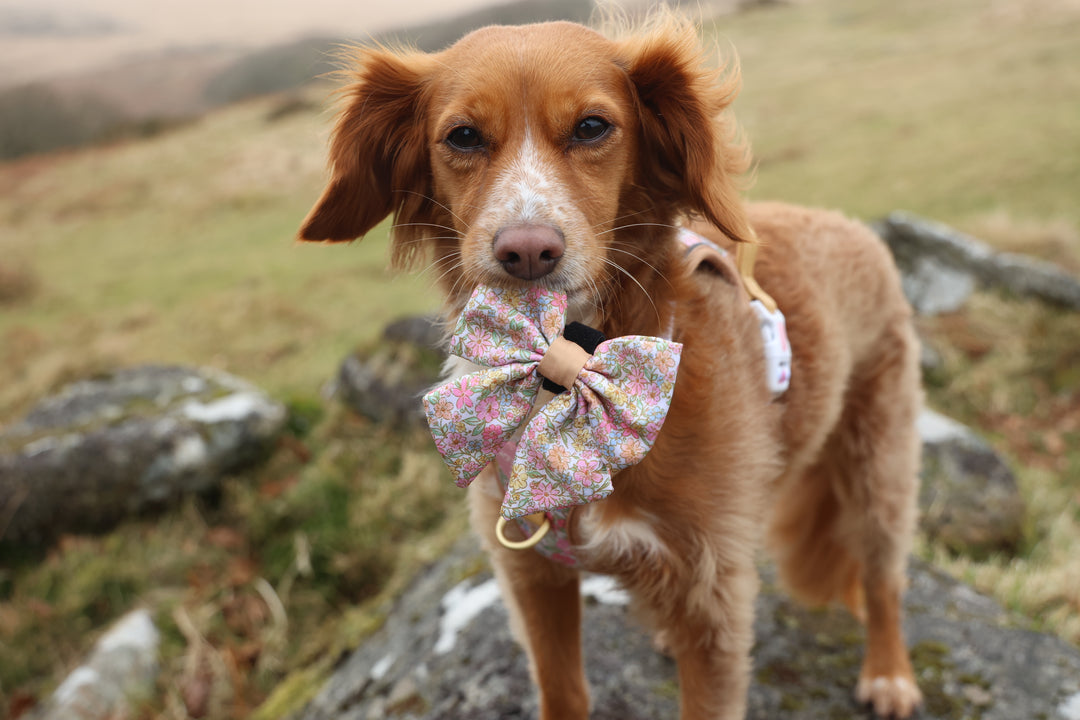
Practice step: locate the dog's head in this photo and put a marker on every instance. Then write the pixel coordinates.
(542, 154)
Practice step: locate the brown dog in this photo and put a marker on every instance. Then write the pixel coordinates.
(549, 154)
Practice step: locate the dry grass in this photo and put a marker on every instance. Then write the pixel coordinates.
(1056, 241)
(179, 249)
(17, 283)
(282, 573)
(1043, 584)
(1022, 388)
(951, 110)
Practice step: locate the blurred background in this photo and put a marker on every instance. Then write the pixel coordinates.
(157, 158)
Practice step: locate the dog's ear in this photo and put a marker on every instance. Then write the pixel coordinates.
(378, 152)
(691, 152)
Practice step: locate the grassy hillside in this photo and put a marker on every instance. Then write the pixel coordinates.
(180, 249)
(963, 111)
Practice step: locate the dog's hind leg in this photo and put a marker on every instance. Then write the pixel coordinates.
(844, 529)
(544, 603)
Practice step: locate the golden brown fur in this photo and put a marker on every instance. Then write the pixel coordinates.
(829, 468)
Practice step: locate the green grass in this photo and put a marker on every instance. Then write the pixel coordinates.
(332, 530)
(954, 110)
(180, 249)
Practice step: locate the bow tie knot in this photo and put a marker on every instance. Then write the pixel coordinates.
(616, 401)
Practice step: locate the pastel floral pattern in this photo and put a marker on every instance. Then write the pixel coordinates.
(607, 421)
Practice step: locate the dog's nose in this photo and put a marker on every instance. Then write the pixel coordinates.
(529, 252)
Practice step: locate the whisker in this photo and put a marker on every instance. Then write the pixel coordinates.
(433, 200)
(638, 283)
(439, 261)
(422, 224)
(633, 225)
(448, 271)
(621, 217)
(637, 257)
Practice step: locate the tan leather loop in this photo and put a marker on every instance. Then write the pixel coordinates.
(745, 258)
(563, 361)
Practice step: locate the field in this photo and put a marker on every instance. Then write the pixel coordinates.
(180, 249)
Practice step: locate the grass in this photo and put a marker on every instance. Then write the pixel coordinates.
(325, 532)
(959, 111)
(182, 250)
(1023, 390)
(179, 249)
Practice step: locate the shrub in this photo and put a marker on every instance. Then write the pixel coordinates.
(34, 119)
(17, 283)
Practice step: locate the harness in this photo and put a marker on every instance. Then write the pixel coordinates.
(548, 532)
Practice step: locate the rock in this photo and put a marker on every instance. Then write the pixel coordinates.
(425, 331)
(446, 652)
(385, 384)
(969, 498)
(940, 267)
(130, 441)
(934, 287)
(120, 672)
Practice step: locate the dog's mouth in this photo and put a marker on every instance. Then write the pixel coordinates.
(581, 294)
(525, 255)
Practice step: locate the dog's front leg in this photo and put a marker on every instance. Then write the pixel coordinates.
(709, 631)
(704, 617)
(544, 603)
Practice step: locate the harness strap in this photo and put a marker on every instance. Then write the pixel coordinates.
(745, 258)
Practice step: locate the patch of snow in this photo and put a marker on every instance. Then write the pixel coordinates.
(934, 427)
(43, 445)
(190, 452)
(1070, 709)
(79, 678)
(460, 606)
(134, 630)
(231, 407)
(605, 590)
(379, 669)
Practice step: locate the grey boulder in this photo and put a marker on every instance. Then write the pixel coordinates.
(132, 440)
(446, 653)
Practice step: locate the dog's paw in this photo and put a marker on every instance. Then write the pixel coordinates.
(891, 697)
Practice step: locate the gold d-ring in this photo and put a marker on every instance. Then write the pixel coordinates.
(521, 544)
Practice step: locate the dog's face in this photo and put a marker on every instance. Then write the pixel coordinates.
(543, 154)
(531, 159)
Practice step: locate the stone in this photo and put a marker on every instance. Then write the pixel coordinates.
(132, 440)
(969, 499)
(446, 649)
(934, 287)
(940, 267)
(384, 384)
(120, 672)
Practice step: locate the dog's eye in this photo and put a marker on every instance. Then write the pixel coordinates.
(464, 137)
(591, 128)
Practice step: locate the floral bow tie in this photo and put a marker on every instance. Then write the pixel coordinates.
(608, 419)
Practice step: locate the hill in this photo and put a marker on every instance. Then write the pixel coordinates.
(178, 248)
(143, 92)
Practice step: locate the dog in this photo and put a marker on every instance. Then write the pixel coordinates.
(553, 155)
